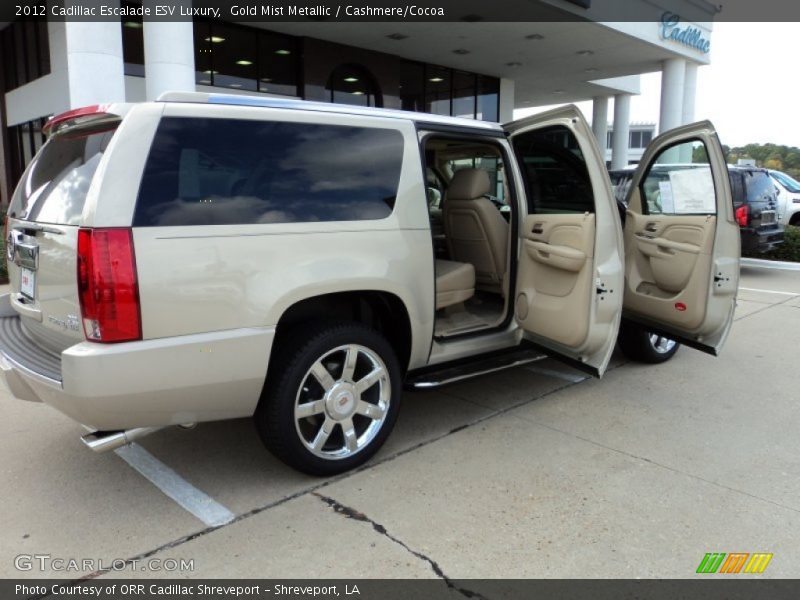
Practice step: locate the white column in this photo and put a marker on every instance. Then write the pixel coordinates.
(620, 138)
(506, 100)
(168, 54)
(673, 74)
(600, 122)
(689, 92)
(95, 69)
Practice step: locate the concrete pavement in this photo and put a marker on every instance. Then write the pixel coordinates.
(532, 472)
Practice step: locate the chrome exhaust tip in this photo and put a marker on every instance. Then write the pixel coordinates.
(104, 441)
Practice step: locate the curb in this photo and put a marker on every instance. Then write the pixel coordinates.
(770, 264)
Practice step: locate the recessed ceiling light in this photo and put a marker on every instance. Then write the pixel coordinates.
(244, 63)
(236, 85)
(133, 24)
(460, 51)
(397, 36)
(266, 79)
(585, 52)
(534, 36)
(357, 93)
(210, 72)
(435, 79)
(215, 39)
(351, 79)
(283, 52)
(514, 64)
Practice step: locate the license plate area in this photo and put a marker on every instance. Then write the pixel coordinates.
(768, 217)
(27, 282)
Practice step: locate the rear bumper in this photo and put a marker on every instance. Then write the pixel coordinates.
(152, 383)
(761, 240)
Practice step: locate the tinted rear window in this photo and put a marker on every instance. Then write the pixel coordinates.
(53, 189)
(759, 187)
(212, 171)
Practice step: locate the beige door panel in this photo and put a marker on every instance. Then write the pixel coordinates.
(555, 276)
(681, 270)
(668, 266)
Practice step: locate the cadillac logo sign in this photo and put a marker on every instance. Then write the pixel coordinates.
(692, 37)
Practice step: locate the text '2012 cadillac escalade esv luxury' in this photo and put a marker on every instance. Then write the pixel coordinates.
(209, 257)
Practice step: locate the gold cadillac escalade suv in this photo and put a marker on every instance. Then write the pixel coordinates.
(208, 257)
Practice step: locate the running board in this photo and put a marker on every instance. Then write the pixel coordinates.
(439, 375)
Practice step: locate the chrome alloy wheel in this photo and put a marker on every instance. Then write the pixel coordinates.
(662, 344)
(342, 402)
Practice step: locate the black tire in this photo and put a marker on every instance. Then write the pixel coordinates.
(287, 436)
(637, 344)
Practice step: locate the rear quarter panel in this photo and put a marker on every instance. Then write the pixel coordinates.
(197, 279)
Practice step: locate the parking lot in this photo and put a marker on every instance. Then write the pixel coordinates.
(532, 472)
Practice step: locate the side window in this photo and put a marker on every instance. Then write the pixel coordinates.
(203, 171)
(555, 173)
(493, 167)
(679, 182)
(737, 189)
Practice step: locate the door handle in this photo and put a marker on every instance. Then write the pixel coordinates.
(538, 229)
(651, 227)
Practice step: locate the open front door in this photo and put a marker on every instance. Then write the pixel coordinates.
(568, 295)
(682, 241)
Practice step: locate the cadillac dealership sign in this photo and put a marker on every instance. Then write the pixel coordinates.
(692, 37)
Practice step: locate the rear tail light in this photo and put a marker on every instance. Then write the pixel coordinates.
(743, 215)
(107, 285)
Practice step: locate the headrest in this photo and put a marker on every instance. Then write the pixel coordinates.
(468, 184)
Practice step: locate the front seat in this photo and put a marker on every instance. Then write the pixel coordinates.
(476, 231)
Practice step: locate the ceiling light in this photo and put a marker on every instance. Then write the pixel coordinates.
(435, 79)
(351, 79)
(210, 72)
(283, 52)
(266, 79)
(585, 52)
(460, 51)
(244, 63)
(397, 36)
(133, 24)
(514, 64)
(235, 85)
(357, 93)
(534, 36)
(215, 39)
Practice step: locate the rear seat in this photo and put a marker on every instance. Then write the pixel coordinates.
(455, 282)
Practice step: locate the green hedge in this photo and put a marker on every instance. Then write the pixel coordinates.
(789, 250)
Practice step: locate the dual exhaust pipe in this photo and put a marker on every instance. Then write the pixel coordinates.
(105, 441)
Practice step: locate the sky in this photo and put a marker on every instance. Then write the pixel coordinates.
(750, 91)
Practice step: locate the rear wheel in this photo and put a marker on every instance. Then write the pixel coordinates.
(641, 345)
(331, 399)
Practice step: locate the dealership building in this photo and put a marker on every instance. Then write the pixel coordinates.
(474, 67)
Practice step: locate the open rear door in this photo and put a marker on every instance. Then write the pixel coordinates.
(681, 240)
(568, 296)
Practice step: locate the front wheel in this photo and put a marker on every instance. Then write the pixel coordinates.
(641, 345)
(331, 399)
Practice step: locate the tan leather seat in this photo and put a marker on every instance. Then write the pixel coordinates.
(455, 282)
(476, 231)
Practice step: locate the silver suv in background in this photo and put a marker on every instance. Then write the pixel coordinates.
(209, 257)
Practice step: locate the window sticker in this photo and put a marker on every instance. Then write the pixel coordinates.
(693, 191)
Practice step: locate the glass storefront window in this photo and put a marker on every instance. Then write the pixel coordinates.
(463, 95)
(354, 85)
(202, 53)
(411, 87)
(24, 52)
(234, 53)
(488, 98)
(437, 90)
(133, 44)
(277, 64)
